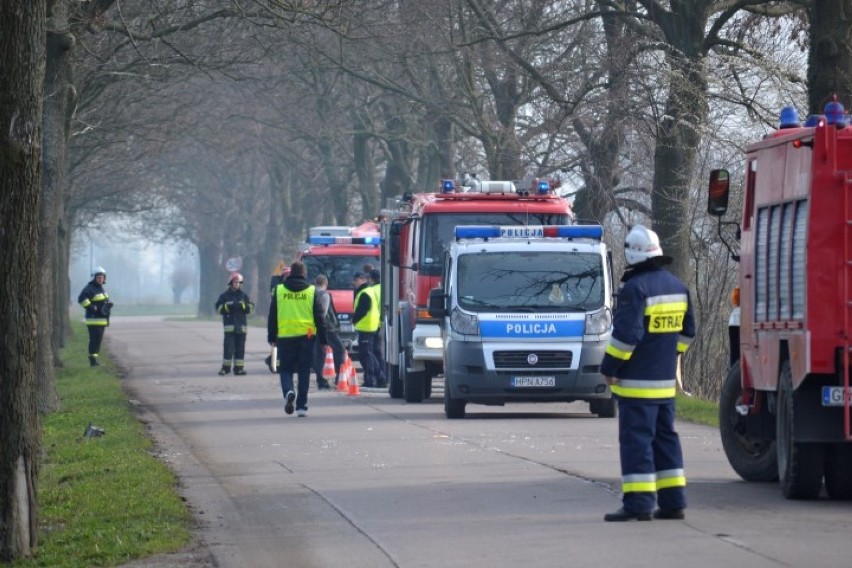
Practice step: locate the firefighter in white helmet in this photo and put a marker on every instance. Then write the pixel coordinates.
(95, 301)
(234, 305)
(653, 325)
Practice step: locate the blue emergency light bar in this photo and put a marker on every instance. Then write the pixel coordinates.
(543, 187)
(328, 240)
(534, 231)
(448, 186)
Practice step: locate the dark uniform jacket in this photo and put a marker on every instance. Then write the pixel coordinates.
(296, 284)
(95, 301)
(653, 324)
(234, 305)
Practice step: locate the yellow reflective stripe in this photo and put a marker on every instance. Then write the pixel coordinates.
(102, 322)
(86, 303)
(228, 328)
(682, 347)
(639, 486)
(619, 349)
(99, 297)
(671, 482)
(666, 300)
(640, 392)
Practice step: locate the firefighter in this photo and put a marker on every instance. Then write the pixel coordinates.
(652, 327)
(296, 321)
(234, 305)
(95, 301)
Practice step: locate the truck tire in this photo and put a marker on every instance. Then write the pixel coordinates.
(838, 471)
(800, 464)
(453, 407)
(412, 383)
(604, 408)
(753, 460)
(394, 383)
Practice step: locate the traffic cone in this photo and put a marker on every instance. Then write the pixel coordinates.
(328, 367)
(354, 389)
(343, 378)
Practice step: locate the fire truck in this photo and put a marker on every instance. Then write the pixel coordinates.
(415, 235)
(340, 252)
(784, 409)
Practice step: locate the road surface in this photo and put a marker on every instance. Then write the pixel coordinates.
(369, 481)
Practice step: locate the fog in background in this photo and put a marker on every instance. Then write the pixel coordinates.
(138, 271)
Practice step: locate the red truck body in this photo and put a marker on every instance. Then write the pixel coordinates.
(784, 408)
(415, 236)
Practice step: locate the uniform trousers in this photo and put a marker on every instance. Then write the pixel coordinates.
(96, 336)
(295, 355)
(234, 349)
(651, 456)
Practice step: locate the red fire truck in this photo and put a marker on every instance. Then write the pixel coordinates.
(415, 236)
(340, 252)
(784, 406)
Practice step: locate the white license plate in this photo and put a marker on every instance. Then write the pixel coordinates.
(832, 396)
(533, 381)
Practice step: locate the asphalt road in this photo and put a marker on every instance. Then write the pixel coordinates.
(369, 481)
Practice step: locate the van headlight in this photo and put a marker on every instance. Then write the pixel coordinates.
(599, 322)
(466, 324)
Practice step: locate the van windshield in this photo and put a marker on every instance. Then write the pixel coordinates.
(339, 269)
(439, 230)
(533, 280)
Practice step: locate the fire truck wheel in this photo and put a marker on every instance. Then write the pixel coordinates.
(838, 471)
(394, 384)
(605, 408)
(800, 465)
(412, 383)
(753, 460)
(453, 407)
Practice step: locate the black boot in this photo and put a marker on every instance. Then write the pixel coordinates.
(93, 361)
(225, 370)
(621, 515)
(239, 371)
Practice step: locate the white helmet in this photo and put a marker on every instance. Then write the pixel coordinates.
(641, 244)
(99, 270)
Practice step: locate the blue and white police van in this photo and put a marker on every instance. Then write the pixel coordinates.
(527, 314)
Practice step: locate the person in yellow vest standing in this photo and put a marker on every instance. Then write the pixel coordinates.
(367, 319)
(375, 278)
(296, 321)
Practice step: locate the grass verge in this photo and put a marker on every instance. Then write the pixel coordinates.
(102, 501)
(696, 410)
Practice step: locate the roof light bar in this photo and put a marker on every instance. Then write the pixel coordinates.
(535, 231)
(324, 240)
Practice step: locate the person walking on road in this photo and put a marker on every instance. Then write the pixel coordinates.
(234, 305)
(366, 321)
(296, 321)
(652, 327)
(332, 327)
(95, 301)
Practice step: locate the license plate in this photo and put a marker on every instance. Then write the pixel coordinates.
(832, 396)
(346, 327)
(533, 381)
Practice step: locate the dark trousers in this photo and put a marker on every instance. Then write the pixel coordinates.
(96, 336)
(651, 457)
(379, 352)
(234, 347)
(338, 352)
(295, 355)
(374, 372)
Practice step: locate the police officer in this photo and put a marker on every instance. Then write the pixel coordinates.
(366, 320)
(296, 320)
(653, 325)
(234, 305)
(95, 301)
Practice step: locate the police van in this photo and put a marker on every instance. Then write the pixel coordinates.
(527, 314)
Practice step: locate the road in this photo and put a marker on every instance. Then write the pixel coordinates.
(373, 482)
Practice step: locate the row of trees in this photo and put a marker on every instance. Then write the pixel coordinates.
(235, 125)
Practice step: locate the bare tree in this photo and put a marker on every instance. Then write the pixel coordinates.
(22, 50)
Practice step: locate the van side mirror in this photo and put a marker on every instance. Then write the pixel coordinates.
(437, 303)
(717, 196)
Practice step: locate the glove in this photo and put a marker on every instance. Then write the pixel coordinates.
(109, 305)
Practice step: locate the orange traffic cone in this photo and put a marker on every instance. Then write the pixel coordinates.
(328, 368)
(343, 378)
(354, 389)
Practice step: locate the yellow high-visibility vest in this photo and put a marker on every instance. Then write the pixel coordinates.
(369, 322)
(295, 311)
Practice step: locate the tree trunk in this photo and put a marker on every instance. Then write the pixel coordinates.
(830, 56)
(56, 100)
(212, 280)
(22, 51)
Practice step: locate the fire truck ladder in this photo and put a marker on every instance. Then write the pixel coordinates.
(847, 283)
